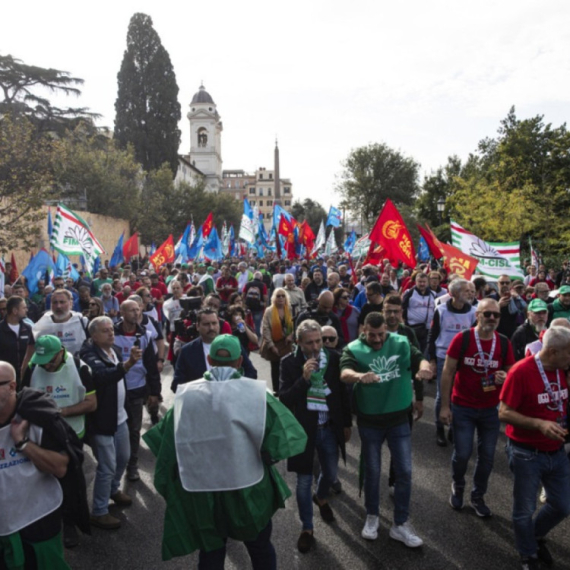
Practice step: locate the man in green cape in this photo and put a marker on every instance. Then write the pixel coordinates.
(215, 450)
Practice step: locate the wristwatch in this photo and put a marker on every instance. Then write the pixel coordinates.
(21, 445)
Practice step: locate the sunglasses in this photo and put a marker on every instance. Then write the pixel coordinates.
(93, 305)
(329, 338)
(278, 296)
(489, 314)
(504, 282)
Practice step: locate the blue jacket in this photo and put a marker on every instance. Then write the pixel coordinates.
(191, 364)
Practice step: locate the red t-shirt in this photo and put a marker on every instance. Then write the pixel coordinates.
(160, 286)
(468, 385)
(221, 283)
(524, 392)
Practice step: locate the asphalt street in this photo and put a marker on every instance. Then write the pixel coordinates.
(451, 539)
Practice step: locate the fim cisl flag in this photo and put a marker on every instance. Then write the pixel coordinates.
(495, 258)
(71, 236)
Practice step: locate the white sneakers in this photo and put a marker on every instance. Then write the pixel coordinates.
(405, 533)
(370, 530)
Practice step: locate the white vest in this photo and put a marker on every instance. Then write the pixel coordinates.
(218, 432)
(27, 494)
(65, 387)
(71, 333)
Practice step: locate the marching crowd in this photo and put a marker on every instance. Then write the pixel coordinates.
(81, 361)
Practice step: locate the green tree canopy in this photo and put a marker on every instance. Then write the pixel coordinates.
(309, 210)
(374, 173)
(21, 86)
(147, 107)
(26, 181)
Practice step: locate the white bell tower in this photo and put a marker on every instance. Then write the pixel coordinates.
(206, 138)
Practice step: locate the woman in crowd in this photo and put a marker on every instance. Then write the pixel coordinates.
(95, 309)
(347, 314)
(277, 333)
(235, 315)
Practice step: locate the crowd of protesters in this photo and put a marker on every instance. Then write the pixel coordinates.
(344, 342)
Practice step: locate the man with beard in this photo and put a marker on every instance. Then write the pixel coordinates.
(315, 287)
(70, 327)
(530, 330)
(476, 366)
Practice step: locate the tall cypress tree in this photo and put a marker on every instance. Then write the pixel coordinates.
(147, 108)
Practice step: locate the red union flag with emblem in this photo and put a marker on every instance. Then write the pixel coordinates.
(164, 254)
(455, 261)
(391, 233)
(207, 225)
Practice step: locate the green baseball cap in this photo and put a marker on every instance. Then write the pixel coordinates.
(537, 305)
(228, 343)
(46, 348)
(564, 290)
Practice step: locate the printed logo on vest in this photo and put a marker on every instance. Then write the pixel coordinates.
(2, 454)
(386, 368)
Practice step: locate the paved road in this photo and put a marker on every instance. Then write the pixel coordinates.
(451, 539)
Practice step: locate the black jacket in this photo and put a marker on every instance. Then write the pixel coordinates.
(13, 349)
(525, 334)
(106, 376)
(293, 390)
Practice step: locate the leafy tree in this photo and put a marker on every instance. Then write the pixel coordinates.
(26, 181)
(309, 210)
(93, 167)
(517, 185)
(19, 83)
(165, 207)
(374, 173)
(147, 107)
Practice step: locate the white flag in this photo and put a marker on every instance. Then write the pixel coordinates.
(330, 246)
(321, 238)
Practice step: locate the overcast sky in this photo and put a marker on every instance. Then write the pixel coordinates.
(430, 78)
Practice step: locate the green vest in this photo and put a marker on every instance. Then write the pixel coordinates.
(392, 364)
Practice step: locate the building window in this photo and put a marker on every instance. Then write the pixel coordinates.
(261, 204)
(270, 176)
(287, 202)
(261, 176)
(261, 191)
(270, 202)
(286, 190)
(252, 202)
(252, 191)
(202, 137)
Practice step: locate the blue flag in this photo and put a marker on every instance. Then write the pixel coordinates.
(118, 258)
(213, 247)
(64, 268)
(232, 248)
(96, 265)
(335, 217)
(278, 211)
(152, 248)
(183, 246)
(423, 250)
(50, 225)
(39, 265)
(350, 241)
(197, 245)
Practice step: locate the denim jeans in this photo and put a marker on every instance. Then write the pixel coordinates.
(400, 445)
(465, 422)
(530, 469)
(260, 551)
(134, 408)
(327, 450)
(440, 362)
(112, 453)
(257, 318)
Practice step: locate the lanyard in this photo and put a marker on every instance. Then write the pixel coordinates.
(486, 363)
(547, 386)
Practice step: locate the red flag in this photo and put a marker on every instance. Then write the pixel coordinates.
(391, 233)
(306, 236)
(376, 253)
(14, 273)
(432, 242)
(208, 225)
(131, 247)
(164, 254)
(285, 227)
(455, 261)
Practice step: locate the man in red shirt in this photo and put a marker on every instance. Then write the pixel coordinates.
(534, 404)
(226, 285)
(477, 359)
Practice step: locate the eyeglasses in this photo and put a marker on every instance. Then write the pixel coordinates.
(489, 314)
(93, 305)
(504, 282)
(329, 338)
(278, 296)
